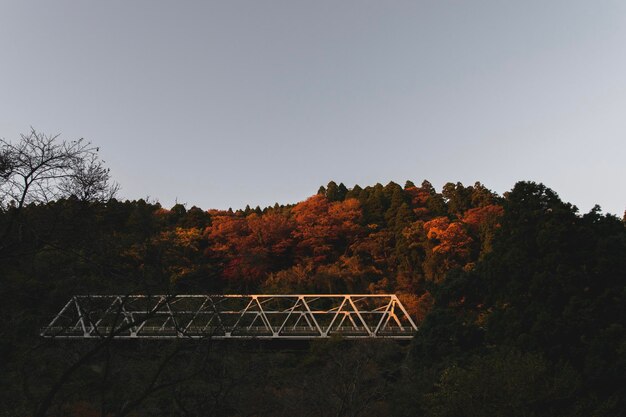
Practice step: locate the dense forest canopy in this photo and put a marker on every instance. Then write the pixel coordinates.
(520, 299)
(373, 239)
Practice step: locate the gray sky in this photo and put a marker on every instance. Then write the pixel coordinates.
(220, 104)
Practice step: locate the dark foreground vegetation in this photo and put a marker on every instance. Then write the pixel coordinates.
(520, 299)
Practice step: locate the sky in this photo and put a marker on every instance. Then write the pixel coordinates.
(220, 104)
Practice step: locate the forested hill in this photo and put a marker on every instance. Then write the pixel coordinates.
(520, 285)
(374, 239)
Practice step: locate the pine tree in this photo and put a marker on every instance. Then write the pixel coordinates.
(355, 192)
(342, 191)
(375, 206)
(459, 198)
(436, 205)
(397, 200)
(332, 191)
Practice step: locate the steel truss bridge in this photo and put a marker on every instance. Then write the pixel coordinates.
(259, 316)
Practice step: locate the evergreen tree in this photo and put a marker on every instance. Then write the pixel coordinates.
(375, 206)
(436, 205)
(355, 192)
(332, 191)
(458, 198)
(481, 196)
(397, 200)
(553, 284)
(342, 191)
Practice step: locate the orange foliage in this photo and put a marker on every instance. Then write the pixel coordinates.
(451, 238)
(296, 279)
(271, 231)
(447, 245)
(483, 222)
(417, 306)
(225, 233)
(321, 226)
(162, 212)
(187, 238)
(418, 196)
(248, 244)
(478, 216)
(179, 249)
(421, 212)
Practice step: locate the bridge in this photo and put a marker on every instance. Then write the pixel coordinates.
(259, 316)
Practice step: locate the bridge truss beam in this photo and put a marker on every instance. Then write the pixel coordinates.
(260, 316)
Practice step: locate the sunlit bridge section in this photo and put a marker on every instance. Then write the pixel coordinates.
(260, 316)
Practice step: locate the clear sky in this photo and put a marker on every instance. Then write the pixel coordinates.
(221, 104)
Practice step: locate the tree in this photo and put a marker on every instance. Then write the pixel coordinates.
(374, 206)
(94, 370)
(448, 247)
(504, 383)
(355, 192)
(458, 197)
(6, 164)
(345, 379)
(483, 222)
(551, 285)
(40, 168)
(334, 192)
(323, 228)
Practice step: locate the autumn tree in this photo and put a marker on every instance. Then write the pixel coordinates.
(448, 246)
(483, 222)
(181, 250)
(425, 201)
(323, 228)
(552, 285)
(250, 247)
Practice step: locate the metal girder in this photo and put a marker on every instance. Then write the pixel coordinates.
(261, 316)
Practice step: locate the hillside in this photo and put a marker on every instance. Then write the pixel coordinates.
(520, 299)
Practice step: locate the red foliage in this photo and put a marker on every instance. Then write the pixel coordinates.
(478, 216)
(419, 196)
(417, 306)
(247, 245)
(451, 238)
(270, 232)
(322, 227)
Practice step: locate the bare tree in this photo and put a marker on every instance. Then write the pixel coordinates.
(6, 165)
(40, 168)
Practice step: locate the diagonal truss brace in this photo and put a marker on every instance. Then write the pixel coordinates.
(261, 316)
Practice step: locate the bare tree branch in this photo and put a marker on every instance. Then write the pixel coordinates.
(40, 168)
